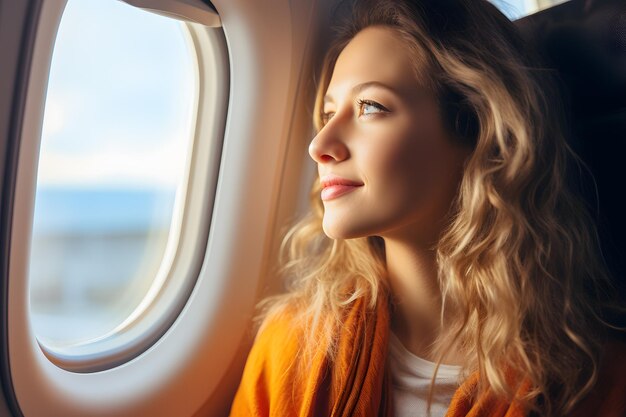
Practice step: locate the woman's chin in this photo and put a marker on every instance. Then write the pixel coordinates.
(340, 230)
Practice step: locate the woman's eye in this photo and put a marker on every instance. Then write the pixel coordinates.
(367, 107)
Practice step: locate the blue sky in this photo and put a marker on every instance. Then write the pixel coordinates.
(119, 101)
(515, 9)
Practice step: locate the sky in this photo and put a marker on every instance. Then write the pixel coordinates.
(514, 9)
(119, 100)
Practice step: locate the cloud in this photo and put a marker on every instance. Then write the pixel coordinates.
(119, 102)
(134, 167)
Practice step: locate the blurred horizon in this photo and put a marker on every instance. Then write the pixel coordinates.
(116, 135)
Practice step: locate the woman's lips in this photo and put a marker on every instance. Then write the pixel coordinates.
(334, 191)
(334, 186)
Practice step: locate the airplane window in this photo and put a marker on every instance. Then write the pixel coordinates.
(515, 9)
(116, 135)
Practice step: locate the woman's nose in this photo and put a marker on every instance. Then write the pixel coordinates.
(328, 145)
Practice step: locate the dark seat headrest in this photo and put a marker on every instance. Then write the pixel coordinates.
(585, 41)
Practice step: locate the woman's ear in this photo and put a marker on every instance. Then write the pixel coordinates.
(459, 117)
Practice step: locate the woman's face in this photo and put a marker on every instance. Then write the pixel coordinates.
(384, 133)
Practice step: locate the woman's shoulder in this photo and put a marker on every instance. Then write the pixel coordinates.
(608, 397)
(273, 381)
(278, 339)
(612, 372)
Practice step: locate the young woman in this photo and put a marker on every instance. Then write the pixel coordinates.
(447, 267)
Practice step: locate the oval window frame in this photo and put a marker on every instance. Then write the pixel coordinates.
(183, 256)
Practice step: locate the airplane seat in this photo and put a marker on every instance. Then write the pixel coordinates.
(585, 42)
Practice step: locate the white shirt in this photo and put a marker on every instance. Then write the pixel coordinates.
(411, 377)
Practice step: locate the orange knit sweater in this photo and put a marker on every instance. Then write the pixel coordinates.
(357, 383)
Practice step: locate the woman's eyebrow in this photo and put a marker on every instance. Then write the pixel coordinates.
(360, 87)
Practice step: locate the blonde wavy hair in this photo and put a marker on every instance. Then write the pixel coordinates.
(519, 263)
